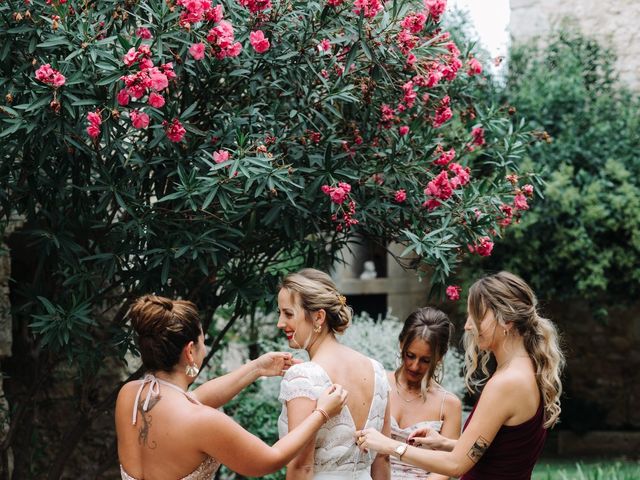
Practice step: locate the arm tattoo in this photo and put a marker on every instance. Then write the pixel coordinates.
(143, 432)
(478, 449)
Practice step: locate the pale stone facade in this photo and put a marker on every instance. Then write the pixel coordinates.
(614, 23)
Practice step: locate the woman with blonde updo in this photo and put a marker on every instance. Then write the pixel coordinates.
(418, 402)
(504, 435)
(312, 313)
(166, 432)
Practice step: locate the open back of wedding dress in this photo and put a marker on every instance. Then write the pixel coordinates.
(336, 454)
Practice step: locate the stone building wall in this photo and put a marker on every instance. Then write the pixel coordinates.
(613, 22)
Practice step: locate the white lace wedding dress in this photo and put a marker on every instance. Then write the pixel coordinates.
(336, 454)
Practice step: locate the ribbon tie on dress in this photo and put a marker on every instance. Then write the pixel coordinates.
(154, 388)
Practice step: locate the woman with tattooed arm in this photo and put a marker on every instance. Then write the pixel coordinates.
(504, 435)
(167, 433)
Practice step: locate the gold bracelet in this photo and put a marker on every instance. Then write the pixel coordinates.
(324, 414)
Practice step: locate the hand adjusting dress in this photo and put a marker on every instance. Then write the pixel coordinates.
(336, 455)
(207, 469)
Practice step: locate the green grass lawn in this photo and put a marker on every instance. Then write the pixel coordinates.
(587, 470)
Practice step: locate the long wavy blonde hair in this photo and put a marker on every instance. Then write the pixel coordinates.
(512, 301)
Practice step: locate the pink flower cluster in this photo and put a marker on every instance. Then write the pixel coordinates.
(337, 194)
(443, 112)
(222, 39)
(435, 8)
(221, 156)
(258, 41)
(444, 157)
(453, 292)
(477, 137)
(400, 195)
(196, 11)
(255, 6)
(95, 120)
(144, 33)
(174, 130)
(50, 76)
(414, 22)
(369, 8)
(474, 67)
(520, 202)
(442, 187)
(483, 247)
(139, 119)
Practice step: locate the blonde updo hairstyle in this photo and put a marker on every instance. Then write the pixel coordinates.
(318, 292)
(163, 327)
(513, 302)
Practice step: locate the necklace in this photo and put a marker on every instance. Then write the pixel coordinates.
(420, 395)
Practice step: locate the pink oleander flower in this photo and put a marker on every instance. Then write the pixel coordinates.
(95, 120)
(462, 177)
(414, 22)
(197, 51)
(520, 202)
(139, 119)
(477, 133)
(174, 130)
(507, 212)
(221, 156)
(410, 94)
(483, 247)
(258, 41)
(528, 190)
(475, 68)
(144, 33)
(435, 8)
(130, 57)
(400, 195)
(337, 194)
(445, 157)
(324, 45)
(156, 100)
(48, 75)
(255, 6)
(431, 204)
(439, 187)
(159, 81)
(369, 8)
(123, 97)
(403, 130)
(453, 292)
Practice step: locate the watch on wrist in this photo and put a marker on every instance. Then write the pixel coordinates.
(401, 449)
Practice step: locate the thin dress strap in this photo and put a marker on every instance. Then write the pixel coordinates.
(444, 396)
(154, 390)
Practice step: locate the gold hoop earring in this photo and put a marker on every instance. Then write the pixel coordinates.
(317, 328)
(192, 370)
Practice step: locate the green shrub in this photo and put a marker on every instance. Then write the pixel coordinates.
(583, 238)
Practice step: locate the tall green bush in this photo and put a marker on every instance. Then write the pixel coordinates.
(198, 150)
(583, 238)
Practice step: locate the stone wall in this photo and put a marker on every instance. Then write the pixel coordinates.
(613, 22)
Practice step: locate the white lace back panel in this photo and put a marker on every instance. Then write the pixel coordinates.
(399, 469)
(336, 449)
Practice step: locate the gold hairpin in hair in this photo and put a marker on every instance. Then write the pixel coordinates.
(343, 300)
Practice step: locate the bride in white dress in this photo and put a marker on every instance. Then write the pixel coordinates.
(312, 312)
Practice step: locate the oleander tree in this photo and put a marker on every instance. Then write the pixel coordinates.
(200, 149)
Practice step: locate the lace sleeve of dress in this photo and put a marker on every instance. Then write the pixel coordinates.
(299, 381)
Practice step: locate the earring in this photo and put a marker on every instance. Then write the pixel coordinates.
(192, 370)
(317, 328)
(505, 332)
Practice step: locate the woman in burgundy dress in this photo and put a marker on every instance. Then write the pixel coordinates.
(520, 401)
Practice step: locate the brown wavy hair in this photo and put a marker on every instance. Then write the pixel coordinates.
(163, 327)
(432, 326)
